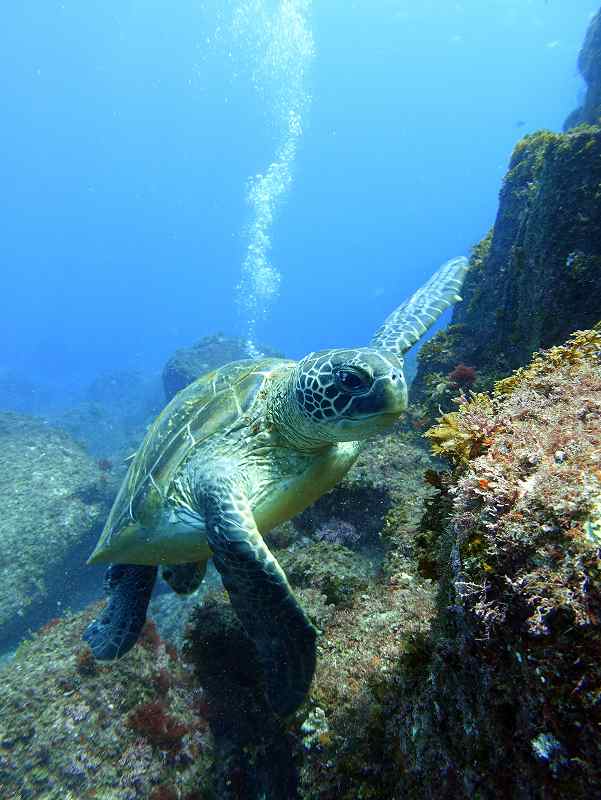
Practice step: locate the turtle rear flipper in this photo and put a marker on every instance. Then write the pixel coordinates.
(261, 597)
(117, 629)
(184, 578)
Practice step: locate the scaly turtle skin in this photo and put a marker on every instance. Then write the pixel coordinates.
(234, 454)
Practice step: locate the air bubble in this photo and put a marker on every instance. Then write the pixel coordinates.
(280, 47)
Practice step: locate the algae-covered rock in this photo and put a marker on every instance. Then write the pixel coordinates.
(492, 690)
(506, 700)
(537, 277)
(334, 570)
(189, 363)
(52, 503)
(589, 65)
(348, 744)
(72, 727)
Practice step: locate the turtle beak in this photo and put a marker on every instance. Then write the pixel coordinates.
(393, 395)
(387, 399)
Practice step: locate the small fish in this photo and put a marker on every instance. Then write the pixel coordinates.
(520, 123)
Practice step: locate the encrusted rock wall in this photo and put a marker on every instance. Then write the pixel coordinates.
(536, 277)
(504, 701)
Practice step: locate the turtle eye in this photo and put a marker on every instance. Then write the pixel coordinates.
(352, 380)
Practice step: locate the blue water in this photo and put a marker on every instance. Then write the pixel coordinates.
(130, 131)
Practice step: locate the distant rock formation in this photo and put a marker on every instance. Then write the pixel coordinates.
(18, 393)
(189, 363)
(589, 65)
(111, 420)
(536, 277)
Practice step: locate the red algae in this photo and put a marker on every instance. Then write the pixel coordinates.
(152, 721)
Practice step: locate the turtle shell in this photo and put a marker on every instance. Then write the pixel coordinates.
(214, 402)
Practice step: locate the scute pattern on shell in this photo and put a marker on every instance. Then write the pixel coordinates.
(211, 404)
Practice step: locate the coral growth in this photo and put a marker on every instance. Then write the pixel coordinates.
(464, 434)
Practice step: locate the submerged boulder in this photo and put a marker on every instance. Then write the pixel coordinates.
(332, 569)
(53, 500)
(189, 363)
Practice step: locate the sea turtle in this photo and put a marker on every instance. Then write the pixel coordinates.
(237, 452)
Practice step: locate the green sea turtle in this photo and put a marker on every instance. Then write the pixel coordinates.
(237, 452)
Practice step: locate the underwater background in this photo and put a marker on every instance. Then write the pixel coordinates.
(131, 131)
(187, 184)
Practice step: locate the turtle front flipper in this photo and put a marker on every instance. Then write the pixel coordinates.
(260, 595)
(115, 632)
(411, 319)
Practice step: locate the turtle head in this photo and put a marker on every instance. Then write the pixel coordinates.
(347, 395)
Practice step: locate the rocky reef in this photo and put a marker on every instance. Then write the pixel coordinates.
(75, 728)
(589, 66)
(152, 726)
(454, 579)
(484, 683)
(534, 279)
(188, 363)
(53, 501)
(458, 603)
